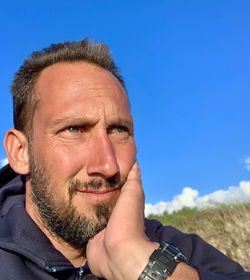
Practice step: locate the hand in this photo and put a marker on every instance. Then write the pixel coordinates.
(121, 251)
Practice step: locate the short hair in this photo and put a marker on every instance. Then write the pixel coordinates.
(26, 77)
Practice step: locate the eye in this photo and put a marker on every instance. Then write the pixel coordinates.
(118, 129)
(74, 129)
(119, 133)
(121, 129)
(73, 132)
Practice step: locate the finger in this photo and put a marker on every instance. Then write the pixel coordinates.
(129, 208)
(135, 173)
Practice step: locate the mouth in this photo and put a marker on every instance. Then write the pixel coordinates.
(100, 195)
(99, 191)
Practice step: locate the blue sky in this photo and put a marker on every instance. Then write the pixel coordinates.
(187, 69)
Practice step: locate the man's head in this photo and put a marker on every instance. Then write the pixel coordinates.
(78, 148)
(24, 97)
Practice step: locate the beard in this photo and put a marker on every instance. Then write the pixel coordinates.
(61, 217)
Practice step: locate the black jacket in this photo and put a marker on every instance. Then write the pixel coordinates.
(27, 254)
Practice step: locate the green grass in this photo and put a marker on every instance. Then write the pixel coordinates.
(178, 219)
(227, 227)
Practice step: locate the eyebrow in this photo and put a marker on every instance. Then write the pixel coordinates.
(73, 121)
(90, 121)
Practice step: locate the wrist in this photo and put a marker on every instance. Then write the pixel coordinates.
(184, 271)
(162, 262)
(143, 258)
(137, 258)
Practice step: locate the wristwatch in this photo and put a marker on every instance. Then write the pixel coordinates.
(162, 262)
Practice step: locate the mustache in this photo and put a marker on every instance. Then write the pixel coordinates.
(96, 184)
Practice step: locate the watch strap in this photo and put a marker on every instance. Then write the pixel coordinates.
(162, 262)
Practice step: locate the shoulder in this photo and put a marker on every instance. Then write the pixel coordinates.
(7, 174)
(188, 243)
(12, 266)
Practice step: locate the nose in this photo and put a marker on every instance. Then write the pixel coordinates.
(102, 161)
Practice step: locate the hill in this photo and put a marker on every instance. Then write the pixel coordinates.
(226, 227)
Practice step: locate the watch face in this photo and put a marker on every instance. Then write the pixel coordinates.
(181, 258)
(173, 251)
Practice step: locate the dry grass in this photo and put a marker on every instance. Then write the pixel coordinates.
(225, 227)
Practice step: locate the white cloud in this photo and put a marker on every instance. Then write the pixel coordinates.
(3, 162)
(247, 162)
(190, 198)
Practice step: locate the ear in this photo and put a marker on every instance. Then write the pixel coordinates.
(16, 147)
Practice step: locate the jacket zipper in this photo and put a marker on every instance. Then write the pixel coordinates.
(80, 273)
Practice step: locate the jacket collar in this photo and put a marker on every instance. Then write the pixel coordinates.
(19, 233)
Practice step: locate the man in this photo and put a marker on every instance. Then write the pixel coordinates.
(72, 204)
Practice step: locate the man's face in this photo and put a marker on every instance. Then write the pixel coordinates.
(81, 150)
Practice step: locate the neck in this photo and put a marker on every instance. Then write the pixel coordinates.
(77, 257)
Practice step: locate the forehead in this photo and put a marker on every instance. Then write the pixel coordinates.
(74, 74)
(72, 86)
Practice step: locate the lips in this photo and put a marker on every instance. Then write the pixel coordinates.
(99, 191)
(100, 195)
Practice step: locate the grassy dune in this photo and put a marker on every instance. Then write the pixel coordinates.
(226, 227)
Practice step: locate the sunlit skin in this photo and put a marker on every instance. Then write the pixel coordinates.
(82, 129)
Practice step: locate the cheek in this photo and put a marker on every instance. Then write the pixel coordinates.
(62, 163)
